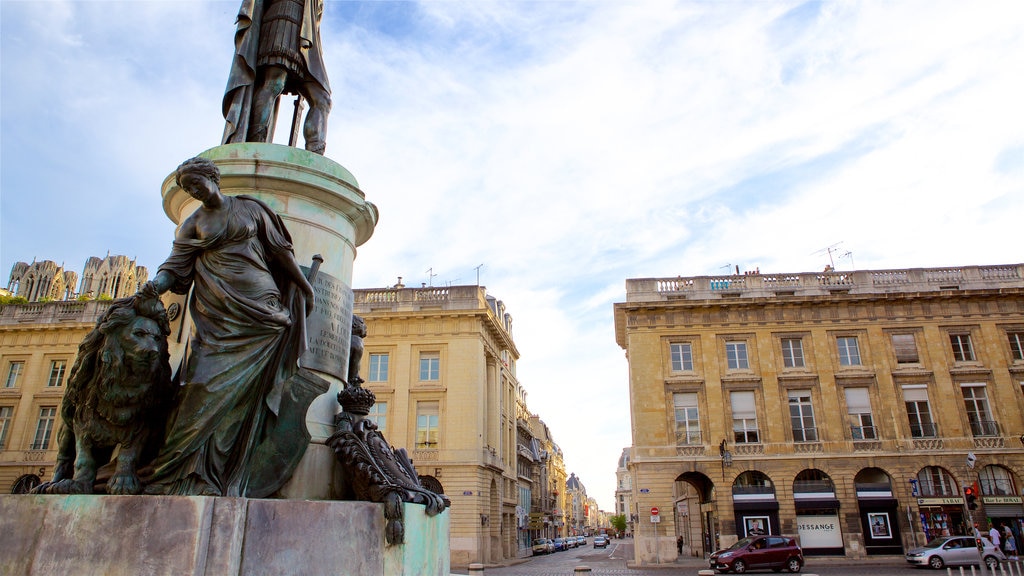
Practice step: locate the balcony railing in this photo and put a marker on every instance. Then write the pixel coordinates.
(984, 428)
(863, 433)
(924, 430)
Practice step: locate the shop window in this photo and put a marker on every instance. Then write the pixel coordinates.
(996, 481)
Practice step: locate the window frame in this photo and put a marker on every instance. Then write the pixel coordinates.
(13, 376)
(685, 356)
(736, 353)
(691, 435)
(744, 434)
(433, 367)
(802, 416)
(45, 425)
(902, 350)
(961, 353)
(849, 355)
(862, 425)
(789, 359)
(1016, 341)
(925, 430)
(429, 428)
(6, 417)
(980, 427)
(58, 371)
(373, 366)
(378, 414)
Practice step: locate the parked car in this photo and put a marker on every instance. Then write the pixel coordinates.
(560, 544)
(600, 541)
(581, 541)
(570, 542)
(956, 551)
(756, 552)
(542, 546)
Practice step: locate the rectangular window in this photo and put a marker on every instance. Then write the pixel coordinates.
(858, 410)
(378, 371)
(14, 370)
(430, 366)
(744, 418)
(849, 352)
(427, 425)
(687, 418)
(682, 357)
(57, 369)
(1017, 345)
(919, 412)
(44, 427)
(962, 349)
(905, 347)
(378, 415)
(801, 416)
(792, 353)
(5, 423)
(736, 355)
(978, 412)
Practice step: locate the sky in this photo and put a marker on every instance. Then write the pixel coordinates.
(565, 146)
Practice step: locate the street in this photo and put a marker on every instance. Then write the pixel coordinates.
(612, 561)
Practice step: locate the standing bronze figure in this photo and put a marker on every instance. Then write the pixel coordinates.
(248, 304)
(277, 50)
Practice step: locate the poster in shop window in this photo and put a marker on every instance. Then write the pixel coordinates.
(879, 523)
(756, 525)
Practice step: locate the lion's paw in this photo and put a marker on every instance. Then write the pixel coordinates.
(124, 484)
(67, 486)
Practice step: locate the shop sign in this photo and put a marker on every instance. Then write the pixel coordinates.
(819, 531)
(1001, 499)
(957, 501)
(683, 508)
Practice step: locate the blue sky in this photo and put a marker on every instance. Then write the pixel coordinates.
(566, 146)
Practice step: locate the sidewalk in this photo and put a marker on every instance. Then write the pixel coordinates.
(700, 562)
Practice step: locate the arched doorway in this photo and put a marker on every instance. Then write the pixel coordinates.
(695, 515)
(817, 514)
(753, 499)
(940, 504)
(879, 512)
(1002, 501)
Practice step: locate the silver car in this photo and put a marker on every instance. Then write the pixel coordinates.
(956, 551)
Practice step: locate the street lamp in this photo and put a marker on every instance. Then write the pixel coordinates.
(726, 455)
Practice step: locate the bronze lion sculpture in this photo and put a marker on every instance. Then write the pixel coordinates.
(119, 393)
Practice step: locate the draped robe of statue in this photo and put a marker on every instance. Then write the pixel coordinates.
(238, 95)
(248, 333)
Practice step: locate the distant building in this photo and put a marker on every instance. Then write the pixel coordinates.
(849, 410)
(442, 363)
(624, 490)
(108, 277)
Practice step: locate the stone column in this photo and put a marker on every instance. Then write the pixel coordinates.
(326, 213)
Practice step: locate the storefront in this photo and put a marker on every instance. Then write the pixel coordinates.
(817, 524)
(1008, 511)
(879, 518)
(942, 517)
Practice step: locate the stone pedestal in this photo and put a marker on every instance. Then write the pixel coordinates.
(205, 536)
(327, 214)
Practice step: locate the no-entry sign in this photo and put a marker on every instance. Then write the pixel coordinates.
(654, 510)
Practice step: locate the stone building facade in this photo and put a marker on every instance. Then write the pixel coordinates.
(442, 363)
(38, 345)
(624, 490)
(848, 410)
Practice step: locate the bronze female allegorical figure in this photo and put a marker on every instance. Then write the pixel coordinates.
(277, 50)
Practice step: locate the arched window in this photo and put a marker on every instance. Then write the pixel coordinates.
(936, 481)
(996, 481)
(25, 484)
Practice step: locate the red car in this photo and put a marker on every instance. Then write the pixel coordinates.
(757, 552)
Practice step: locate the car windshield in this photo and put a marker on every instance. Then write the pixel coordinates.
(741, 544)
(539, 541)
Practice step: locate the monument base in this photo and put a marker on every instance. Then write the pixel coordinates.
(208, 536)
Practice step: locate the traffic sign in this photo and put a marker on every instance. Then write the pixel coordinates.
(654, 511)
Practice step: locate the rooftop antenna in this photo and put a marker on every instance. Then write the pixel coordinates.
(849, 255)
(430, 272)
(478, 274)
(830, 250)
(726, 267)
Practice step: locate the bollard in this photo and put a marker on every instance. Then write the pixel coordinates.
(476, 569)
(582, 570)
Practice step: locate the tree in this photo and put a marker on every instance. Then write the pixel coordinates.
(618, 522)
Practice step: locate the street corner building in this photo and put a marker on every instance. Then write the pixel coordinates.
(860, 412)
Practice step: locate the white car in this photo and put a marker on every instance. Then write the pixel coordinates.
(956, 551)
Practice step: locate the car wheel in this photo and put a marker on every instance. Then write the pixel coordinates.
(936, 562)
(739, 567)
(793, 565)
(992, 563)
